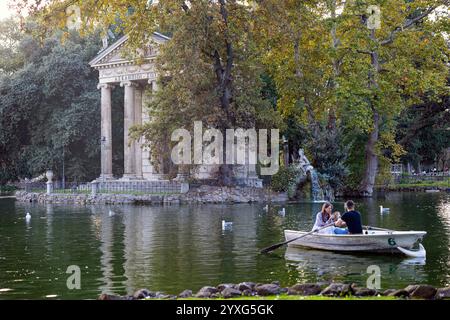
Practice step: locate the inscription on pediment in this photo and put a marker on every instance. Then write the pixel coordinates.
(131, 72)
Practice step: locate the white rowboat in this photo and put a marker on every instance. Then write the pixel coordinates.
(369, 241)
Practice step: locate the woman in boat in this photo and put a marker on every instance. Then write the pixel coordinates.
(325, 217)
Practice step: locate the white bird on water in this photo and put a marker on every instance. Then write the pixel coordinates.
(266, 208)
(282, 212)
(28, 217)
(226, 225)
(384, 210)
(111, 213)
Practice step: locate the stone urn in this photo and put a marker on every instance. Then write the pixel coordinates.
(49, 175)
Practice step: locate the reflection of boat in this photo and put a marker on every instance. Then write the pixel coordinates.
(327, 261)
(332, 265)
(370, 241)
(324, 258)
(414, 262)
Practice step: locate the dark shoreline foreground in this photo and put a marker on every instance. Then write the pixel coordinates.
(249, 290)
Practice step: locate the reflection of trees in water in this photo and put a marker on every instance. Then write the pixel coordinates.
(171, 248)
(443, 210)
(176, 247)
(438, 239)
(315, 265)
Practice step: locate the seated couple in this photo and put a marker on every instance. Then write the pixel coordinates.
(349, 223)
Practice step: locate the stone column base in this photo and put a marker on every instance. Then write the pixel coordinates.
(155, 177)
(104, 177)
(128, 177)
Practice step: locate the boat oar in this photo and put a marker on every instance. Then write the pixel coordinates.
(276, 246)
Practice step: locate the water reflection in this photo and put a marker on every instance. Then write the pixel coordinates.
(106, 247)
(172, 248)
(49, 229)
(332, 266)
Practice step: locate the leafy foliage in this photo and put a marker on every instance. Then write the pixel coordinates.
(285, 179)
(49, 110)
(357, 98)
(329, 156)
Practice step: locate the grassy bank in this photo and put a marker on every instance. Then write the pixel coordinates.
(7, 190)
(419, 185)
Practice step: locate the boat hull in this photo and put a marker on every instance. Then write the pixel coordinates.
(373, 241)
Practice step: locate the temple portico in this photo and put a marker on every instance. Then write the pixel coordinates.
(137, 81)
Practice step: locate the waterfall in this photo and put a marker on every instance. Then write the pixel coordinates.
(316, 189)
(303, 164)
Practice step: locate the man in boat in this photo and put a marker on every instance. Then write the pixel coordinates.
(350, 219)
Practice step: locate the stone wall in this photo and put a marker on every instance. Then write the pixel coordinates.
(203, 194)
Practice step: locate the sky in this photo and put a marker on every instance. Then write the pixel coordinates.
(5, 12)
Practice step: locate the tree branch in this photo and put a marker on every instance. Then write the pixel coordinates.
(407, 24)
(225, 84)
(364, 51)
(218, 68)
(229, 47)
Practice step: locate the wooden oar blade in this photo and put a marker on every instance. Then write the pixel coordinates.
(272, 248)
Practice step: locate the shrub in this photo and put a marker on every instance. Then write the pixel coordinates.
(7, 189)
(284, 179)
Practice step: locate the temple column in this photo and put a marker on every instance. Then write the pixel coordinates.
(138, 121)
(106, 131)
(129, 157)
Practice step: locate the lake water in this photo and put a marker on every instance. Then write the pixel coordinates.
(172, 248)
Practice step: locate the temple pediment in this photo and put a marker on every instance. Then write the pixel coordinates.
(114, 67)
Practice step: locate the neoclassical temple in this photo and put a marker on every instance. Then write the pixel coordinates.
(115, 70)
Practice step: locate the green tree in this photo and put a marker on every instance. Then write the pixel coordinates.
(422, 131)
(209, 66)
(213, 75)
(336, 70)
(332, 66)
(300, 50)
(10, 38)
(395, 66)
(49, 109)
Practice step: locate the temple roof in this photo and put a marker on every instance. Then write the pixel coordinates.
(112, 55)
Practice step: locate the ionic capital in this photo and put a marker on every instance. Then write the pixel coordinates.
(105, 86)
(129, 84)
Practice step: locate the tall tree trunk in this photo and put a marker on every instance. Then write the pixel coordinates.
(225, 82)
(312, 123)
(371, 168)
(226, 177)
(336, 65)
(371, 160)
